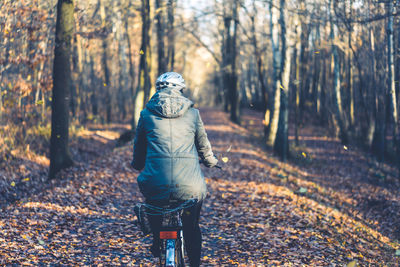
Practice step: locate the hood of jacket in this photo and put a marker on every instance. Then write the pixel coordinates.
(169, 103)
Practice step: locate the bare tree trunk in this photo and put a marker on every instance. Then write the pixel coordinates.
(351, 71)
(336, 83)
(318, 70)
(391, 81)
(351, 89)
(131, 66)
(276, 62)
(84, 89)
(93, 97)
(171, 35)
(229, 55)
(304, 64)
(106, 82)
(4, 67)
(40, 91)
(379, 140)
(59, 153)
(162, 64)
(297, 82)
(233, 82)
(122, 73)
(106, 72)
(74, 77)
(225, 55)
(371, 95)
(321, 88)
(281, 145)
(78, 67)
(260, 63)
(143, 88)
(282, 142)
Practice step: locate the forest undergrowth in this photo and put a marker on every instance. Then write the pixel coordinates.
(330, 204)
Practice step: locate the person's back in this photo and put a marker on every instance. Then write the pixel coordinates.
(170, 137)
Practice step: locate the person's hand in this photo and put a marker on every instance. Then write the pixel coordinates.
(210, 161)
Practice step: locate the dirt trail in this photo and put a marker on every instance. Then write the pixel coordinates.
(321, 209)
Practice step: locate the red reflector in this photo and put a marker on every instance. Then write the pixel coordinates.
(168, 235)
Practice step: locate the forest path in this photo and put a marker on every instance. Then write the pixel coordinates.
(327, 206)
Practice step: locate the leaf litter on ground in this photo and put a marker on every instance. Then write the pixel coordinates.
(326, 212)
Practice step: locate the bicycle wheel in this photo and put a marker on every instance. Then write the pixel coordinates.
(179, 253)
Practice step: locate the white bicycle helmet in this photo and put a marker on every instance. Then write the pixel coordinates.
(170, 79)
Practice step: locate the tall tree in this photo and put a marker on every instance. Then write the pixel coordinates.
(233, 82)
(259, 59)
(144, 83)
(339, 116)
(350, 67)
(104, 64)
(281, 145)
(229, 69)
(130, 60)
(296, 59)
(371, 93)
(391, 79)
(273, 119)
(225, 53)
(162, 64)
(171, 35)
(379, 139)
(59, 153)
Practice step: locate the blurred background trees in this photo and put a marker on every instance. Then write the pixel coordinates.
(326, 62)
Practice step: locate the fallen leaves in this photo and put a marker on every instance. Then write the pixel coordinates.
(258, 212)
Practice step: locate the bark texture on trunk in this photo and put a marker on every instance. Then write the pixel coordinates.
(162, 63)
(339, 116)
(229, 69)
(260, 63)
(144, 83)
(391, 82)
(276, 62)
(233, 83)
(59, 153)
(281, 145)
(171, 35)
(132, 90)
(106, 71)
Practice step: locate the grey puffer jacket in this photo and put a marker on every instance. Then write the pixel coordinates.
(170, 137)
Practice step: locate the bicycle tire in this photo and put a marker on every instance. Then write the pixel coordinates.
(179, 254)
(162, 254)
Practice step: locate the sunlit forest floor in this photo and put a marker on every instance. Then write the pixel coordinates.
(328, 205)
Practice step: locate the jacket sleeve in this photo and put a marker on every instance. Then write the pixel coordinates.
(140, 146)
(203, 146)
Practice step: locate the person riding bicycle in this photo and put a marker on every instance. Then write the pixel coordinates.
(170, 138)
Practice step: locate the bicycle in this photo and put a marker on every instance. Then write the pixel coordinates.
(172, 245)
(171, 232)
